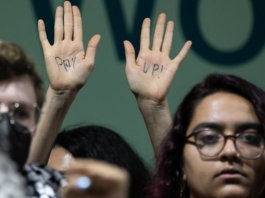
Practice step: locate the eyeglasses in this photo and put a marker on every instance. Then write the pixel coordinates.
(249, 145)
(26, 115)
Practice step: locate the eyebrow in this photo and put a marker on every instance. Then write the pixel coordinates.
(249, 125)
(211, 125)
(219, 126)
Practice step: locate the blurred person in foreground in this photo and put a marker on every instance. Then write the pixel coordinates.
(22, 96)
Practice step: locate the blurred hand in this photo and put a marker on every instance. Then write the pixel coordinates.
(107, 181)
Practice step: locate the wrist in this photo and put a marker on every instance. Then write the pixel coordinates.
(59, 99)
(147, 103)
(61, 94)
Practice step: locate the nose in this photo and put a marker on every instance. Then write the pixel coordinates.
(229, 151)
(3, 108)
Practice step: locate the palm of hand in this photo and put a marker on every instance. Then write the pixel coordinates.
(68, 66)
(152, 75)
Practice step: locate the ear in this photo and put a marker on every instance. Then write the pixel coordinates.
(184, 175)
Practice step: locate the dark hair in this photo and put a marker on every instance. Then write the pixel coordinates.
(104, 144)
(167, 181)
(14, 62)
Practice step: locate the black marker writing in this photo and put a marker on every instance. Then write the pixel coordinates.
(155, 68)
(58, 59)
(73, 60)
(146, 70)
(65, 62)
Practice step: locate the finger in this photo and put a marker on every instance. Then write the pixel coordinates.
(159, 31)
(145, 34)
(58, 25)
(89, 166)
(183, 52)
(42, 34)
(166, 47)
(102, 175)
(76, 186)
(68, 21)
(129, 54)
(78, 29)
(92, 47)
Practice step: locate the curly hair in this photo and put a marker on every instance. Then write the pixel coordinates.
(167, 181)
(14, 62)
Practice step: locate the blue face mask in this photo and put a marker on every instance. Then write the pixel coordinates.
(15, 140)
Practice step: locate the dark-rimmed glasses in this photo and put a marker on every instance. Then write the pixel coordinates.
(250, 145)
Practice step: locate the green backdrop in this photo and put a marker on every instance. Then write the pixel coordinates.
(229, 29)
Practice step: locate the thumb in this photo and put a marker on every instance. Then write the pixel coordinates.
(92, 47)
(182, 54)
(129, 54)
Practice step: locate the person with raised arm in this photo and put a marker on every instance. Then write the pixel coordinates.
(150, 76)
(69, 67)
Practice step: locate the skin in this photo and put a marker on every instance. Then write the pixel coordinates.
(227, 110)
(150, 75)
(17, 89)
(60, 159)
(109, 180)
(65, 80)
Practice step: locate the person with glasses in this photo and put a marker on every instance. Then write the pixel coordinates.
(22, 97)
(214, 146)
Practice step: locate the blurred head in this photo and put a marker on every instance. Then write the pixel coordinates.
(217, 132)
(99, 143)
(21, 87)
(21, 97)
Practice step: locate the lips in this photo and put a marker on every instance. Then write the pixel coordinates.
(230, 173)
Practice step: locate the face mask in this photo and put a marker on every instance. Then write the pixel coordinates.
(14, 140)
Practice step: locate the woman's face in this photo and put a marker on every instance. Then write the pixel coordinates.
(226, 174)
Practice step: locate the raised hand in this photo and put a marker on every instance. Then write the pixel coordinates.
(68, 65)
(151, 74)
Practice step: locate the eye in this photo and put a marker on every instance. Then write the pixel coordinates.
(21, 114)
(251, 139)
(208, 137)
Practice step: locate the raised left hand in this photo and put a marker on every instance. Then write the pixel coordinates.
(68, 65)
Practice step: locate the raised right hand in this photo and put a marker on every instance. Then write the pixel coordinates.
(151, 74)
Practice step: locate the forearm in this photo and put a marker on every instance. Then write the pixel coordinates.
(157, 118)
(53, 113)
